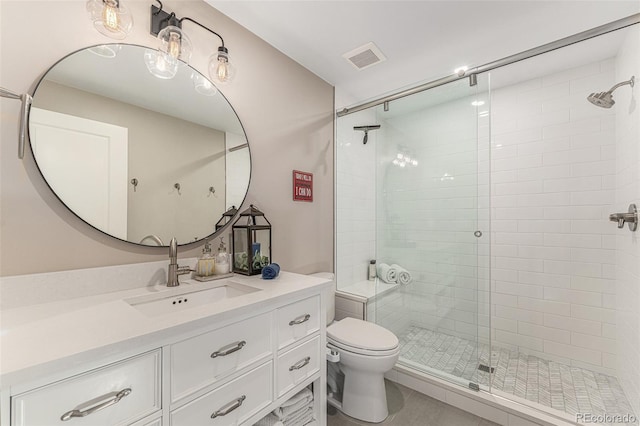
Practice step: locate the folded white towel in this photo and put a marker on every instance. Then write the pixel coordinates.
(404, 276)
(269, 420)
(387, 273)
(300, 419)
(305, 394)
(298, 402)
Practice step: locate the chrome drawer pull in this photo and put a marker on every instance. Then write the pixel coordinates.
(113, 398)
(298, 365)
(223, 411)
(229, 349)
(300, 319)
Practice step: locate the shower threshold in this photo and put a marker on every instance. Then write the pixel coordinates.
(551, 384)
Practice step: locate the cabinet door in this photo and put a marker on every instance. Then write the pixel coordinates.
(230, 404)
(298, 320)
(205, 359)
(120, 393)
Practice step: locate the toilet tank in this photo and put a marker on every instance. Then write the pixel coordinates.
(331, 294)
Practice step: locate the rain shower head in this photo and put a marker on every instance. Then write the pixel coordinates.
(605, 99)
(366, 129)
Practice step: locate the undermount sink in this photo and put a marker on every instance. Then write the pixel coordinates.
(180, 299)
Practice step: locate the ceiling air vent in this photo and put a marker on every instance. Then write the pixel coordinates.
(364, 56)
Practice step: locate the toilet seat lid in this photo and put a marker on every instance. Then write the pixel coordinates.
(356, 333)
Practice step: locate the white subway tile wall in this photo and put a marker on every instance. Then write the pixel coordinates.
(551, 264)
(355, 199)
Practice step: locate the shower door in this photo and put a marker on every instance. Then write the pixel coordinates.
(432, 194)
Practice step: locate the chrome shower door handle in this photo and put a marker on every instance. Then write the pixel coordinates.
(631, 217)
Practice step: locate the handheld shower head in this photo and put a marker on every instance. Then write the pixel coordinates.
(605, 99)
(366, 129)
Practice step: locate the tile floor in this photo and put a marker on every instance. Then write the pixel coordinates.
(411, 408)
(566, 388)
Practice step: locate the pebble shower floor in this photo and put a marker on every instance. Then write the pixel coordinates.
(549, 383)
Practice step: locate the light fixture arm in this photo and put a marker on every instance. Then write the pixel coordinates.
(186, 18)
(24, 115)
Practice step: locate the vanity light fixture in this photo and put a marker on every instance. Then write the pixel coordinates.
(176, 46)
(110, 17)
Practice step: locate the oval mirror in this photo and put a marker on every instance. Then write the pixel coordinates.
(140, 158)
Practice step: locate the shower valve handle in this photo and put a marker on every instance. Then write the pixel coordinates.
(631, 217)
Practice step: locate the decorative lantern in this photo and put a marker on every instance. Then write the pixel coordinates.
(251, 242)
(226, 217)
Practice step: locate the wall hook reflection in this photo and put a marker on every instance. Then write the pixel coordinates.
(212, 191)
(177, 186)
(134, 182)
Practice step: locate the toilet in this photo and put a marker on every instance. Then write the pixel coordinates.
(366, 352)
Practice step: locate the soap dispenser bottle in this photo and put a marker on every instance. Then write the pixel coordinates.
(206, 263)
(222, 259)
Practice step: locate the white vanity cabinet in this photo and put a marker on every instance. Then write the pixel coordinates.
(225, 369)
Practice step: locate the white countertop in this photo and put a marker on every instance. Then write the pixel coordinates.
(45, 336)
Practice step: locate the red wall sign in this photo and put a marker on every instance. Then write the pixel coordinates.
(302, 186)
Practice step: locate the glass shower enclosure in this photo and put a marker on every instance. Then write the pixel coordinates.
(495, 195)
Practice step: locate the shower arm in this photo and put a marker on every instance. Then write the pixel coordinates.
(24, 116)
(630, 82)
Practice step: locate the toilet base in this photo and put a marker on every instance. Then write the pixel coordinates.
(364, 396)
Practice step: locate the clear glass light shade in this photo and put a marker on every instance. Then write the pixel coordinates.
(175, 43)
(110, 18)
(106, 50)
(202, 85)
(220, 68)
(174, 46)
(160, 64)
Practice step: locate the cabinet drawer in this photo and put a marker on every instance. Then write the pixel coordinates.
(205, 359)
(298, 320)
(126, 391)
(230, 404)
(297, 364)
(155, 422)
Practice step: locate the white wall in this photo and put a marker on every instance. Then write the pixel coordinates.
(287, 113)
(627, 244)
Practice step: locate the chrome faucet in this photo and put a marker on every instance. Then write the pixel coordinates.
(174, 270)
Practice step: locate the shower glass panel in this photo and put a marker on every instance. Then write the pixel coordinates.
(432, 193)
